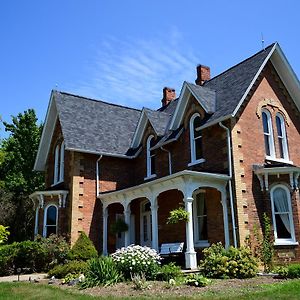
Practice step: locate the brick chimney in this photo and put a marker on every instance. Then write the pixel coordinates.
(168, 96)
(203, 74)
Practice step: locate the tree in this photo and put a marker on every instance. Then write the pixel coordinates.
(17, 178)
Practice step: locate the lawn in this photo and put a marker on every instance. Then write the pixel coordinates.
(281, 290)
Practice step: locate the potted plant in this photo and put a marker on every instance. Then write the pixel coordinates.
(119, 226)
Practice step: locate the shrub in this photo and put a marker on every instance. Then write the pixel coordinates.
(4, 233)
(231, 263)
(7, 255)
(139, 282)
(169, 271)
(197, 280)
(293, 271)
(136, 259)
(101, 271)
(73, 267)
(83, 249)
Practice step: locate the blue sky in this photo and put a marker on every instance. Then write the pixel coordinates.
(126, 51)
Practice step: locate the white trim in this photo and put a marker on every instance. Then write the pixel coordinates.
(149, 158)
(279, 160)
(283, 138)
(140, 128)
(283, 241)
(45, 219)
(196, 162)
(62, 162)
(193, 149)
(150, 177)
(56, 178)
(146, 214)
(270, 134)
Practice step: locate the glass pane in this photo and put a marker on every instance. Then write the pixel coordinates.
(267, 145)
(282, 232)
(197, 124)
(265, 122)
(280, 142)
(51, 215)
(278, 125)
(198, 148)
(202, 228)
(147, 207)
(152, 163)
(50, 230)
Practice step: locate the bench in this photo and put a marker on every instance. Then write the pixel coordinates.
(171, 249)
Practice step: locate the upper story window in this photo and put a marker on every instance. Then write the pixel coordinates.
(268, 133)
(59, 162)
(150, 157)
(196, 139)
(284, 232)
(282, 140)
(50, 220)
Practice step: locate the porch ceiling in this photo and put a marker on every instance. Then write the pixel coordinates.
(186, 181)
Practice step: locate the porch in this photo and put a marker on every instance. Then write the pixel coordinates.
(145, 209)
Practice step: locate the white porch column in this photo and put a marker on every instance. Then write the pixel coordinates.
(225, 218)
(36, 225)
(190, 254)
(105, 219)
(154, 228)
(127, 214)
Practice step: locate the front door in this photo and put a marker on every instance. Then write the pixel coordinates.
(145, 224)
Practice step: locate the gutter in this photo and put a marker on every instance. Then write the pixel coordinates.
(229, 147)
(97, 175)
(169, 157)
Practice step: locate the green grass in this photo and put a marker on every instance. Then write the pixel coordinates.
(285, 290)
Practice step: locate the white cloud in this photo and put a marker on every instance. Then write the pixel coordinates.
(133, 72)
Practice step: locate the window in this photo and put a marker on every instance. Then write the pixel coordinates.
(59, 161)
(282, 140)
(268, 133)
(196, 139)
(284, 232)
(150, 157)
(50, 220)
(200, 219)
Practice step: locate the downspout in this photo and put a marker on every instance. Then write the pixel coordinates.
(97, 176)
(169, 157)
(229, 148)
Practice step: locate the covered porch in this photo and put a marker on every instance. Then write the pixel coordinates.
(152, 201)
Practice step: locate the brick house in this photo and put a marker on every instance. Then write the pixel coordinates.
(227, 149)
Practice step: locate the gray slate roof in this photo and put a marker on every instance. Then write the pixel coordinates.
(95, 126)
(159, 120)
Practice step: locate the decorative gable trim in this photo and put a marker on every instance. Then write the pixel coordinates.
(48, 129)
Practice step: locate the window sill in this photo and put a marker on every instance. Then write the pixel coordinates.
(150, 177)
(286, 243)
(201, 244)
(196, 162)
(56, 183)
(281, 160)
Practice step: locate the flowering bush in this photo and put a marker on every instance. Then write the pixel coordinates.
(136, 259)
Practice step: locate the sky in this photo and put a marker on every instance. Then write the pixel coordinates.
(125, 52)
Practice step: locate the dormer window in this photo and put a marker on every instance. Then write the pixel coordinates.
(196, 140)
(150, 157)
(282, 139)
(268, 134)
(59, 161)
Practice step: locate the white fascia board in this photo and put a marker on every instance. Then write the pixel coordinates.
(277, 170)
(141, 126)
(46, 137)
(287, 75)
(49, 193)
(254, 80)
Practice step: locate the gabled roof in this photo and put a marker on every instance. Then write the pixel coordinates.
(88, 126)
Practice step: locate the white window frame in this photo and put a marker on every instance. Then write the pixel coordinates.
(56, 164)
(147, 215)
(59, 163)
(283, 137)
(149, 157)
(45, 219)
(194, 161)
(283, 241)
(270, 135)
(197, 242)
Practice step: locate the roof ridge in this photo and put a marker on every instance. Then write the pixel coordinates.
(95, 100)
(241, 62)
(201, 86)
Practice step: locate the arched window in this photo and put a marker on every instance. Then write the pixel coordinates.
(200, 219)
(50, 220)
(284, 231)
(150, 157)
(196, 139)
(59, 161)
(282, 139)
(268, 134)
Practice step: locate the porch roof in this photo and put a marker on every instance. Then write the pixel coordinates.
(186, 181)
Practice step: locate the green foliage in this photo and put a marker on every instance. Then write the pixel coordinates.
(265, 247)
(101, 271)
(7, 208)
(293, 271)
(119, 226)
(4, 233)
(72, 267)
(17, 177)
(32, 256)
(169, 271)
(178, 215)
(139, 282)
(232, 263)
(83, 249)
(282, 271)
(136, 259)
(197, 280)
